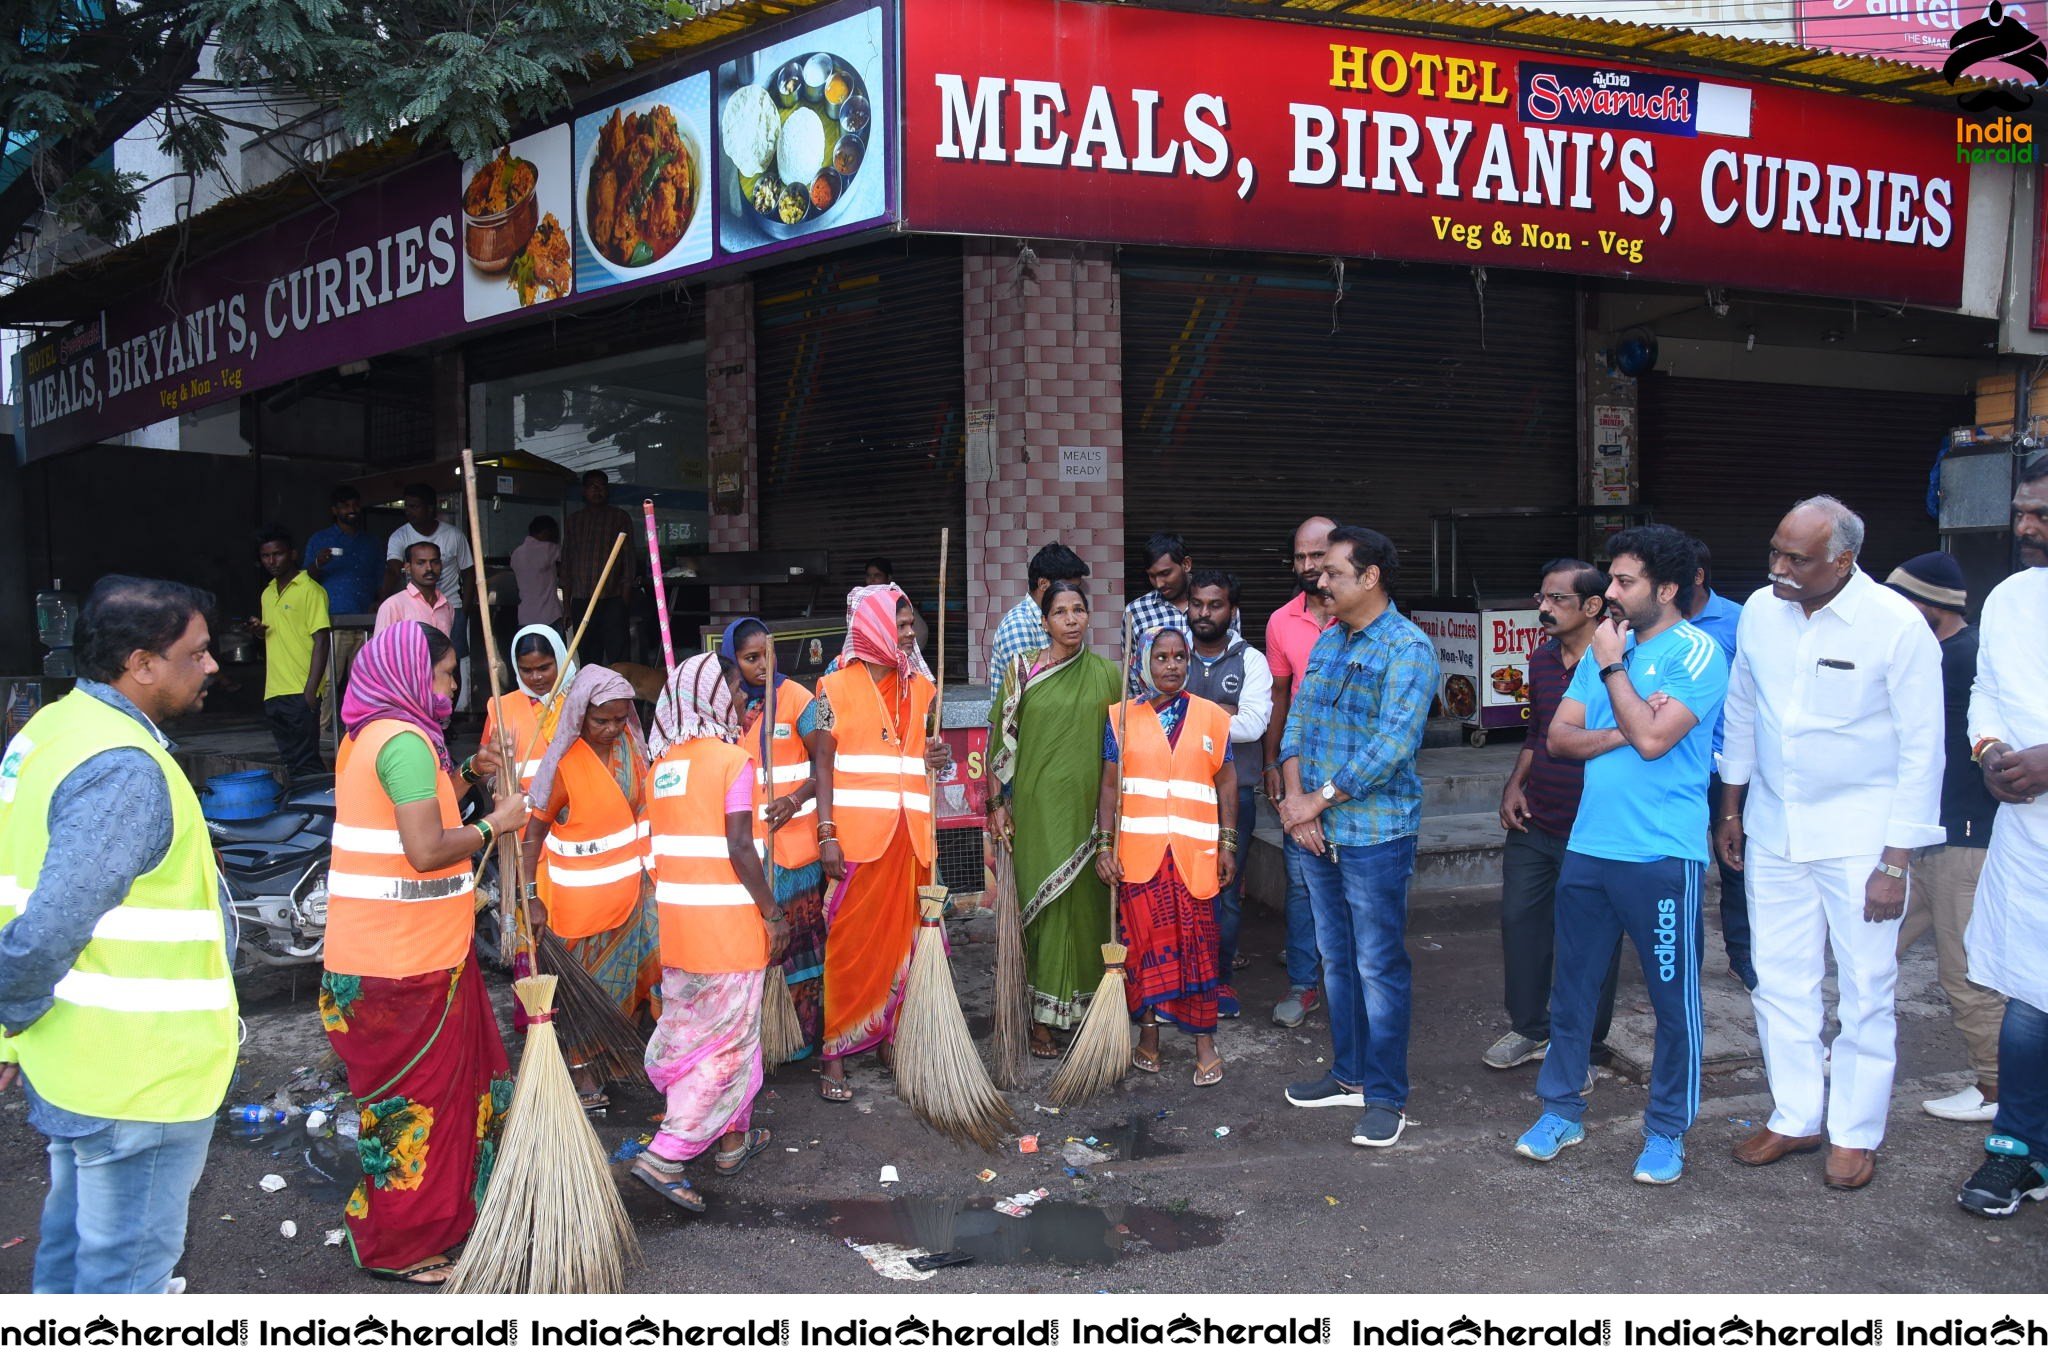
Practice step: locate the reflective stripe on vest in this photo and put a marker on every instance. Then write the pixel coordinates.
(878, 773)
(142, 1025)
(385, 918)
(593, 858)
(1169, 794)
(709, 921)
(789, 767)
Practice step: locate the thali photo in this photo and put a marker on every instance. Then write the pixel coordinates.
(795, 141)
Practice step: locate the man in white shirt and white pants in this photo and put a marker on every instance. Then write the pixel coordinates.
(1834, 737)
(2007, 942)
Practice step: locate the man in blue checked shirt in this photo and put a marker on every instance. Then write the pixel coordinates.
(1354, 803)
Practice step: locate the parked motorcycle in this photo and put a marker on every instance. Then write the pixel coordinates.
(275, 871)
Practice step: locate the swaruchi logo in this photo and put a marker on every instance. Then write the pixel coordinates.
(1601, 97)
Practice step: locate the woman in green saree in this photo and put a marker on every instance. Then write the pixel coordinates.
(1045, 744)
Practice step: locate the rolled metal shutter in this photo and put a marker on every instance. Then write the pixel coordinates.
(1256, 397)
(859, 396)
(1724, 459)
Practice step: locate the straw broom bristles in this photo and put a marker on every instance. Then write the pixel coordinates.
(589, 1023)
(938, 1070)
(1010, 1048)
(1101, 1052)
(551, 1221)
(782, 1033)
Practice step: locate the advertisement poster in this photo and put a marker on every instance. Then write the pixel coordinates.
(1506, 635)
(803, 144)
(515, 226)
(1897, 32)
(1116, 124)
(1455, 634)
(640, 170)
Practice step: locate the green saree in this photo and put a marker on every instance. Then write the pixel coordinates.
(1045, 753)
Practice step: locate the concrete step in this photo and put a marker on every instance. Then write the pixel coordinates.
(1464, 780)
(1461, 850)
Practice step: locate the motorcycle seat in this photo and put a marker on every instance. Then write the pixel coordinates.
(259, 830)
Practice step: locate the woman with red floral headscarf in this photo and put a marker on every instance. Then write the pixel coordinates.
(879, 845)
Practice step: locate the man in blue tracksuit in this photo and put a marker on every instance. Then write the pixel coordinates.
(1643, 720)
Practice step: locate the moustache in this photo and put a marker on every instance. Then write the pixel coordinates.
(2033, 543)
(1787, 580)
(1547, 619)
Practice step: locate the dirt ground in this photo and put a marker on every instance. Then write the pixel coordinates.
(1280, 1202)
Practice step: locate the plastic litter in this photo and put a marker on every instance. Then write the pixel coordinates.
(1222, 1131)
(316, 1121)
(1331, 1199)
(272, 1182)
(1045, 1110)
(256, 1115)
(1079, 1154)
(893, 1260)
(289, 1229)
(16, 1242)
(628, 1148)
(889, 1174)
(348, 1125)
(985, 1175)
(336, 1237)
(1028, 1144)
(1019, 1206)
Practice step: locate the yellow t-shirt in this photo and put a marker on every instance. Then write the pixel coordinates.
(289, 621)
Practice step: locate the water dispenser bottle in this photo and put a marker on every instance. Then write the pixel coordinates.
(56, 611)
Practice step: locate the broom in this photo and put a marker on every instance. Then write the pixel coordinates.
(551, 1219)
(939, 1073)
(782, 1032)
(1101, 1052)
(1011, 1046)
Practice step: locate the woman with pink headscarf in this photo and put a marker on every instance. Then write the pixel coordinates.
(585, 851)
(879, 845)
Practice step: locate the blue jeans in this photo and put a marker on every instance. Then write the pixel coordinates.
(1361, 915)
(1657, 905)
(1304, 955)
(2023, 1077)
(1230, 900)
(114, 1221)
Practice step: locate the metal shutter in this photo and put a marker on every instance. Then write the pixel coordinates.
(859, 396)
(1255, 398)
(1724, 460)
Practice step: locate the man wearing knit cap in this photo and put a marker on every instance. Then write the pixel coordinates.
(1945, 877)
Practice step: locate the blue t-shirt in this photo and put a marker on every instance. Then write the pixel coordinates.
(1718, 619)
(353, 578)
(1638, 810)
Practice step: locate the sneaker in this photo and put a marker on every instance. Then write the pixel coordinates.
(1227, 1007)
(1968, 1104)
(1514, 1049)
(2009, 1175)
(1295, 1006)
(1380, 1127)
(1324, 1091)
(1549, 1136)
(1663, 1160)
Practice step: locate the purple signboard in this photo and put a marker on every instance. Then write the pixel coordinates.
(636, 189)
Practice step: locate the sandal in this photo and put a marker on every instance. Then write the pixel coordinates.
(673, 1186)
(1144, 1061)
(1043, 1045)
(835, 1089)
(730, 1163)
(419, 1274)
(594, 1102)
(1241, 961)
(1204, 1077)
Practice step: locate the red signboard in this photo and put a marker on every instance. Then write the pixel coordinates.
(1058, 118)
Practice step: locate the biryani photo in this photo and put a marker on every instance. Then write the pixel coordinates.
(498, 211)
(542, 271)
(1461, 699)
(641, 185)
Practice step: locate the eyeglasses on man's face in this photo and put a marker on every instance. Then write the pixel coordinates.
(1557, 600)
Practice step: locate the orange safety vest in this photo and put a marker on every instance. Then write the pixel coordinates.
(385, 918)
(789, 759)
(522, 719)
(1170, 793)
(878, 777)
(591, 861)
(709, 921)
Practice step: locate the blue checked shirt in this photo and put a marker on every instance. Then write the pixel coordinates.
(1022, 629)
(1357, 721)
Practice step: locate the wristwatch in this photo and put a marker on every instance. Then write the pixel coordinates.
(1328, 793)
(1891, 870)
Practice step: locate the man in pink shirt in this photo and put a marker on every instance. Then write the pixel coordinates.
(421, 599)
(1291, 634)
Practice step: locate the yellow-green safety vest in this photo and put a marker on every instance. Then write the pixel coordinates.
(144, 1025)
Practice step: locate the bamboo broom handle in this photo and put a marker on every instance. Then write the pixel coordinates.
(589, 610)
(939, 669)
(508, 771)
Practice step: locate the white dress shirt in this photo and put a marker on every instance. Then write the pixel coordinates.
(2007, 942)
(1835, 723)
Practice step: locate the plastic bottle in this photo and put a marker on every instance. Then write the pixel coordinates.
(55, 613)
(256, 1115)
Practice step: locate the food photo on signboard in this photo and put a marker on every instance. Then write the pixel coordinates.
(516, 219)
(641, 164)
(801, 127)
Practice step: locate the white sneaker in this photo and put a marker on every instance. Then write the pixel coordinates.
(1968, 1104)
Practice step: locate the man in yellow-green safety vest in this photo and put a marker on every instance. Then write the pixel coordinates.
(115, 994)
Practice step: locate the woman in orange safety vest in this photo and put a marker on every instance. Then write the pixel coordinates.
(1174, 846)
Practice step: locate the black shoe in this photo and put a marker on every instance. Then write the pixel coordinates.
(1381, 1126)
(2008, 1176)
(1324, 1091)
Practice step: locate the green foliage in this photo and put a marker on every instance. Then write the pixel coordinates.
(76, 75)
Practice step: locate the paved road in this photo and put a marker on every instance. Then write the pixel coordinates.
(1290, 1205)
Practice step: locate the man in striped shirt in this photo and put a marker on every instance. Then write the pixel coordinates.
(1641, 716)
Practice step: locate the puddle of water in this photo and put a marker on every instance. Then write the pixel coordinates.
(1062, 1232)
(324, 1167)
(1137, 1138)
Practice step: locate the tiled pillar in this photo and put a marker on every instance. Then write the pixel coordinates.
(1045, 362)
(729, 424)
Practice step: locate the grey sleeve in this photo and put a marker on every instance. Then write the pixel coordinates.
(110, 822)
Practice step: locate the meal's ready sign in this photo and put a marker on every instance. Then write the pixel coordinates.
(1119, 124)
(778, 140)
